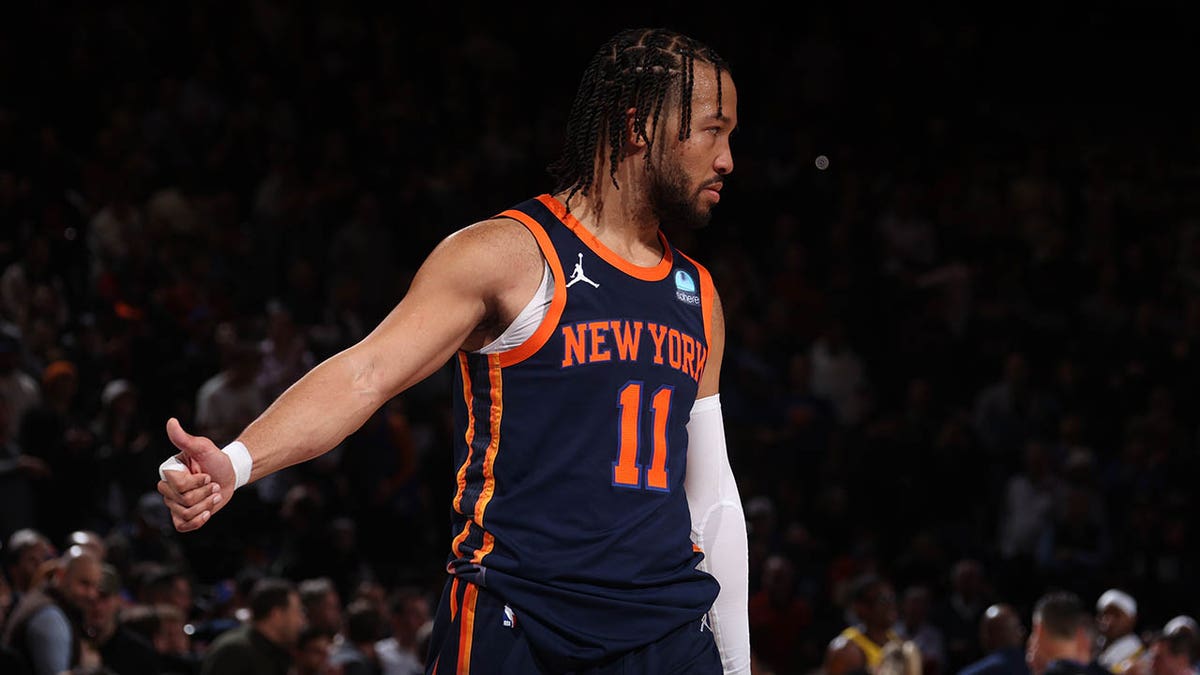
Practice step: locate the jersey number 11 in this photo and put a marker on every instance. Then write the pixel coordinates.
(626, 470)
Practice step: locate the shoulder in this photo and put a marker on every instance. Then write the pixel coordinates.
(495, 236)
(49, 619)
(843, 643)
(486, 253)
(983, 666)
(235, 639)
(843, 656)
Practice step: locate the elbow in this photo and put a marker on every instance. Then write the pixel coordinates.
(368, 383)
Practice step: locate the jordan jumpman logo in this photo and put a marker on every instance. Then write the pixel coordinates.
(578, 275)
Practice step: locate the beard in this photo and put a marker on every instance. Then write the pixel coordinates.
(672, 200)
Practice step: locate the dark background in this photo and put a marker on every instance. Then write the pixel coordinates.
(1009, 191)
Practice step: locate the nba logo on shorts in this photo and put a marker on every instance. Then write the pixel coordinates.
(685, 288)
(510, 619)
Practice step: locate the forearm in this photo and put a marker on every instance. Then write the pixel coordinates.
(316, 413)
(719, 529)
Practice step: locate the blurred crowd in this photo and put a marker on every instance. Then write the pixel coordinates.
(961, 350)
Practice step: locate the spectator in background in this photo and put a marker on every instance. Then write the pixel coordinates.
(915, 626)
(839, 374)
(1076, 545)
(1005, 409)
(164, 628)
(11, 660)
(1062, 636)
(264, 645)
(57, 431)
(314, 648)
(1002, 639)
(47, 626)
(322, 606)
(24, 554)
(169, 585)
(17, 387)
(88, 540)
(1031, 498)
(286, 355)
(365, 626)
(959, 612)
(20, 474)
(1186, 625)
(122, 443)
(902, 657)
(859, 647)
(778, 616)
(1116, 621)
(400, 653)
(1171, 653)
(231, 399)
(122, 649)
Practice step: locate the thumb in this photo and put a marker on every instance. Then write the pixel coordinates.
(191, 446)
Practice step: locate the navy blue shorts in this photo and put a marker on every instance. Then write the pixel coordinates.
(475, 633)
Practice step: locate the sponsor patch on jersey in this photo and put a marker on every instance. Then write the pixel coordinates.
(685, 288)
(683, 281)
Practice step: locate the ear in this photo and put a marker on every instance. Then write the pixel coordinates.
(634, 142)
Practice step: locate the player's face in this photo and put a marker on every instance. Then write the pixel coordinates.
(686, 180)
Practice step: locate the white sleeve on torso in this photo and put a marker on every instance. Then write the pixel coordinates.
(719, 529)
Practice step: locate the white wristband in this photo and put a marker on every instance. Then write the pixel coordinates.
(242, 463)
(237, 453)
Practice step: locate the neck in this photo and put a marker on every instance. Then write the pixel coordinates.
(626, 225)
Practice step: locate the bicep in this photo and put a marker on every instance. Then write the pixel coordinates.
(710, 380)
(453, 292)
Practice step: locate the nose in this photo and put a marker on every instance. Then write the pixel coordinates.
(723, 164)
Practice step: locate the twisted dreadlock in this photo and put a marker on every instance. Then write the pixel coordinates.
(634, 69)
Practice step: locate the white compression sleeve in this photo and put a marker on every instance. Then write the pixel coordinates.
(719, 529)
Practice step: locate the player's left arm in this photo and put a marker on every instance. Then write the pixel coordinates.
(718, 521)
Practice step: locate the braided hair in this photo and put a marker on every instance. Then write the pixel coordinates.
(635, 69)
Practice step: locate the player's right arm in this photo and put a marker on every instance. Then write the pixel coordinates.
(468, 280)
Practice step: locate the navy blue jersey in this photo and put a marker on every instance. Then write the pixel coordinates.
(572, 449)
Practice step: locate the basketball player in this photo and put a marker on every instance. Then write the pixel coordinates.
(859, 647)
(589, 439)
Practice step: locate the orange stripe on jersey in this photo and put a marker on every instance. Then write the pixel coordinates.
(469, 398)
(656, 273)
(489, 542)
(460, 538)
(489, 458)
(466, 630)
(707, 297)
(453, 598)
(696, 549)
(550, 321)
